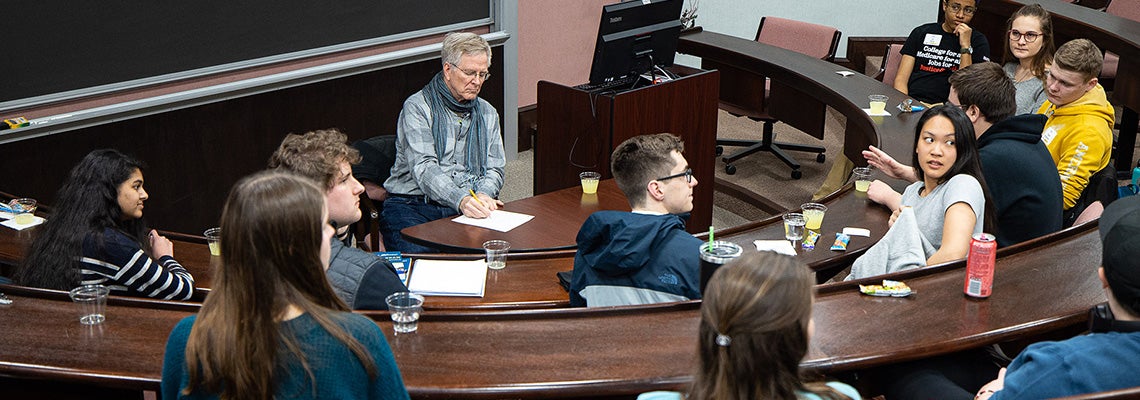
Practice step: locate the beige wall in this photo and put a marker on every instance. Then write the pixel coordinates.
(556, 43)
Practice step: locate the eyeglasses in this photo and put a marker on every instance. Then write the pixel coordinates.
(687, 173)
(959, 9)
(468, 73)
(1030, 37)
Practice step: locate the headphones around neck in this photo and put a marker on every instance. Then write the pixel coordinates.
(1101, 320)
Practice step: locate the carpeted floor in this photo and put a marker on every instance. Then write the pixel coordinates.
(761, 173)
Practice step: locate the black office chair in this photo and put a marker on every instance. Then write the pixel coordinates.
(746, 94)
(1098, 194)
(378, 154)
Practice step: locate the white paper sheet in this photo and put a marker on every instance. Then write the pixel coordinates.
(779, 246)
(448, 278)
(502, 221)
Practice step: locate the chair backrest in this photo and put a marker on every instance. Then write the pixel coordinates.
(377, 154)
(1102, 187)
(890, 67)
(811, 39)
(1125, 9)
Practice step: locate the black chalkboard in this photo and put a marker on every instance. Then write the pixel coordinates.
(56, 46)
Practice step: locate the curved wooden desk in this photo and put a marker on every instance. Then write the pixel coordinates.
(557, 217)
(1043, 286)
(627, 350)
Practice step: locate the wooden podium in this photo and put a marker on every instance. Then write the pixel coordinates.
(578, 130)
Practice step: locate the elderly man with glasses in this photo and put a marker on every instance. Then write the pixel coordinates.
(644, 256)
(934, 51)
(449, 152)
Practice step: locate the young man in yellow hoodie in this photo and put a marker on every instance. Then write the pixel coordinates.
(1079, 131)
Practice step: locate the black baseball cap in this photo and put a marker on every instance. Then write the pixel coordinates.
(1120, 257)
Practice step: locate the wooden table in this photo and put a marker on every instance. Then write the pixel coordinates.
(557, 217)
(1047, 285)
(627, 350)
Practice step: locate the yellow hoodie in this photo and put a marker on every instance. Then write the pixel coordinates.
(1079, 137)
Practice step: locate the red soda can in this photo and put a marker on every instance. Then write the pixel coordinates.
(980, 265)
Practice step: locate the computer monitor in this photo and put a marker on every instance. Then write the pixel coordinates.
(635, 36)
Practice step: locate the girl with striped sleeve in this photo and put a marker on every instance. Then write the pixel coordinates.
(97, 236)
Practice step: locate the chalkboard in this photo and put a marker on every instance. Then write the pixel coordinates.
(54, 46)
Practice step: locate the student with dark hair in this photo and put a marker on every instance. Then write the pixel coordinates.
(948, 195)
(360, 278)
(1017, 166)
(272, 326)
(97, 236)
(643, 256)
(933, 51)
(754, 332)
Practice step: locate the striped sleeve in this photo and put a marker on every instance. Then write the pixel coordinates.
(123, 266)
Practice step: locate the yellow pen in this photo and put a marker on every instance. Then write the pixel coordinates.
(473, 196)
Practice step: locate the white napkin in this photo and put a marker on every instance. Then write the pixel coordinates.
(779, 246)
(12, 224)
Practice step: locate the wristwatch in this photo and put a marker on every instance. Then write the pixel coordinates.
(967, 50)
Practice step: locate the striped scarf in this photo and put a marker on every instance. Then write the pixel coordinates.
(441, 100)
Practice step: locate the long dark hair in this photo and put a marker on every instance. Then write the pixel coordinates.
(85, 205)
(761, 303)
(270, 260)
(967, 160)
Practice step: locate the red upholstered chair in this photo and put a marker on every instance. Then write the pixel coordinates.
(747, 94)
(890, 66)
(1125, 9)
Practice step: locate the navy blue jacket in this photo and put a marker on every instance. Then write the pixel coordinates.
(626, 258)
(1021, 178)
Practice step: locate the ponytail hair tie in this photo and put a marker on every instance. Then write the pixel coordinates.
(723, 340)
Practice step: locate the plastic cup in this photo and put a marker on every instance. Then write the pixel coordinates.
(714, 256)
(813, 215)
(862, 176)
(214, 240)
(405, 308)
(794, 226)
(496, 253)
(92, 303)
(878, 103)
(23, 210)
(590, 181)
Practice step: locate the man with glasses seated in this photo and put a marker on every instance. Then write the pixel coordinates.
(449, 152)
(643, 256)
(934, 51)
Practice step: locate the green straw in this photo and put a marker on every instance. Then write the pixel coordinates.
(710, 238)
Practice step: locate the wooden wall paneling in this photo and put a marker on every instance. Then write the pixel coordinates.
(195, 154)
